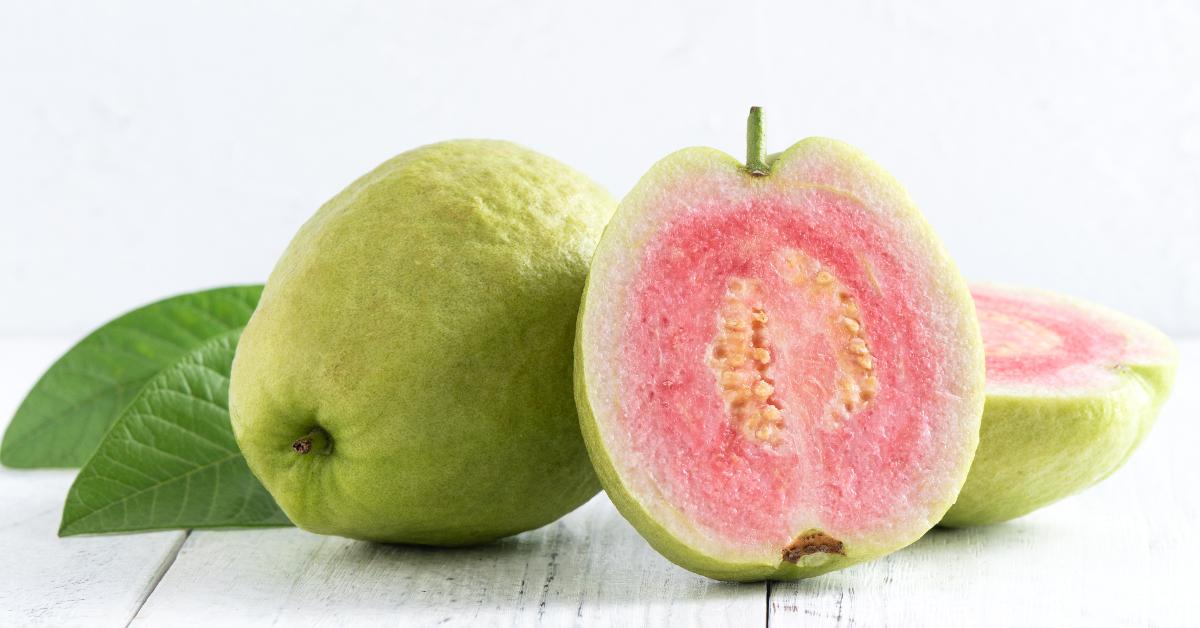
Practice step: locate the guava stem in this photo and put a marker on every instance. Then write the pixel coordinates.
(756, 150)
(317, 440)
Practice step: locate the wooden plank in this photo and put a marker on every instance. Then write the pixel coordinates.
(590, 568)
(1123, 553)
(44, 580)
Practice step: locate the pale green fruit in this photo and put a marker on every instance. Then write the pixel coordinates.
(1072, 389)
(407, 374)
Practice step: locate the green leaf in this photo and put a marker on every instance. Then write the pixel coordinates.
(68, 411)
(170, 460)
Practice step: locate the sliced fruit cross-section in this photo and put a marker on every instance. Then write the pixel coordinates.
(1072, 389)
(778, 368)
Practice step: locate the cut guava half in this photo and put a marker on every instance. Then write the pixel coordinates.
(778, 368)
(1072, 389)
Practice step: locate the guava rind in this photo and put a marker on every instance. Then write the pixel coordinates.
(424, 319)
(835, 165)
(1038, 446)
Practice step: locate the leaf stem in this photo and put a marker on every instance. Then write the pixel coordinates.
(756, 150)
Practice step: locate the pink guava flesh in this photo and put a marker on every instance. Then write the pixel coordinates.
(822, 417)
(1034, 340)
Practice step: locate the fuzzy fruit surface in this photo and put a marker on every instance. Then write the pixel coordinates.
(778, 369)
(407, 374)
(1072, 389)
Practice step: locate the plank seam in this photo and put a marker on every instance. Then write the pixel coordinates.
(159, 574)
(767, 612)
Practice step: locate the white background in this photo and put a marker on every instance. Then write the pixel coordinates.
(149, 148)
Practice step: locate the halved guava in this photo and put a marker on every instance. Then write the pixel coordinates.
(1072, 389)
(778, 369)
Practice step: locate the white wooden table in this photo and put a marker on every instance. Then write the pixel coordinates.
(1124, 553)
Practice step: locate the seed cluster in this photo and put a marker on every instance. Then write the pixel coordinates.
(740, 359)
(741, 352)
(856, 383)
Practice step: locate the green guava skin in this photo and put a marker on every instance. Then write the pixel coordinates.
(424, 320)
(860, 176)
(1036, 449)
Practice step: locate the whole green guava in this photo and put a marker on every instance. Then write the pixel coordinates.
(407, 376)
